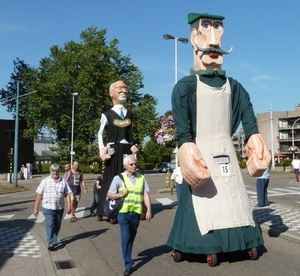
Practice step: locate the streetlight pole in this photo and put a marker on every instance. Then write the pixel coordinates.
(72, 131)
(16, 146)
(183, 40)
(16, 138)
(272, 140)
(293, 146)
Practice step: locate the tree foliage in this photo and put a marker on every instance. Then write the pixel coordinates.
(20, 72)
(87, 68)
(160, 147)
(155, 153)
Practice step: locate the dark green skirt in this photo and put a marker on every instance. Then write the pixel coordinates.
(185, 235)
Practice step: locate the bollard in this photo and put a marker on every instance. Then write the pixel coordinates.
(9, 178)
(168, 179)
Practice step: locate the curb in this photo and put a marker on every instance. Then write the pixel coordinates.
(48, 264)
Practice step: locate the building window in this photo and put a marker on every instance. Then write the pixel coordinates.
(10, 135)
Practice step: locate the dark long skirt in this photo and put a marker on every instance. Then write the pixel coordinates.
(185, 235)
(113, 167)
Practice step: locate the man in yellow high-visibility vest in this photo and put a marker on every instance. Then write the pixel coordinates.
(134, 190)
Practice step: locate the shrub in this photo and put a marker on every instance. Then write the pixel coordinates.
(243, 164)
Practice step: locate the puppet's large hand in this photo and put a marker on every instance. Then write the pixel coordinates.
(192, 165)
(134, 149)
(259, 156)
(103, 153)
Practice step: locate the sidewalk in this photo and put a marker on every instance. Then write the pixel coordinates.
(27, 252)
(24, 248)
(28, 255)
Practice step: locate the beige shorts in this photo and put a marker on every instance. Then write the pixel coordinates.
(75, 197)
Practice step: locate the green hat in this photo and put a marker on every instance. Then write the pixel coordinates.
(192, 17)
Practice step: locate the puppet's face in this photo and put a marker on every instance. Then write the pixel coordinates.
(208, 35)
(119, 93)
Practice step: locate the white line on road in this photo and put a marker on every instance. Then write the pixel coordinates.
(7, 216)
(165, 201)
(79, 213)
(40, 218)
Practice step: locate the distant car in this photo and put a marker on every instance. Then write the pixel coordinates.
(164, 168)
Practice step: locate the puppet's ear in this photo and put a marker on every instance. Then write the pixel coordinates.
(194, 35)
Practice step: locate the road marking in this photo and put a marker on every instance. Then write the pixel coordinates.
(253, 194)
(283, 194)
(278, 192)
(7, 216)
(40, 218)
(79, 213)
(165, 201)
(293, 188)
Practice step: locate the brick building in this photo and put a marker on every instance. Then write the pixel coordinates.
(286, 130)
(7, 141)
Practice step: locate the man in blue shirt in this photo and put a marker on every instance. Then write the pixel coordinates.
(262, 184)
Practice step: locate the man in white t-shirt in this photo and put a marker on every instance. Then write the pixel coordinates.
(296, 166)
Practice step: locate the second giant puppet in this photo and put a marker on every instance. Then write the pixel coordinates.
(117, 122)
(207, 109)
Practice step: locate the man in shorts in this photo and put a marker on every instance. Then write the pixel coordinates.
(296, 166)
(75, 179)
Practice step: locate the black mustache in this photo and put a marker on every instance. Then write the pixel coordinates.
(213, 49)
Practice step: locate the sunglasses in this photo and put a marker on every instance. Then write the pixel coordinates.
(132, 164)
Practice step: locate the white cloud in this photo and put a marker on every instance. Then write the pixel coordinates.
(6, 27)
(12, 27)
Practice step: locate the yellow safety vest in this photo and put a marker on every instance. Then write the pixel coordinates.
(133, 201)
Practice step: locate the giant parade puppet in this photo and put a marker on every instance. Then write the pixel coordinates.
(117, 123)
(213, 214)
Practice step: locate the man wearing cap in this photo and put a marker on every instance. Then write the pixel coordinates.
(207, 109)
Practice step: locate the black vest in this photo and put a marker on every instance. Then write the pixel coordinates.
(117, 128)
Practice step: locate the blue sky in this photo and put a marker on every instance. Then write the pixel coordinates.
(264, 35)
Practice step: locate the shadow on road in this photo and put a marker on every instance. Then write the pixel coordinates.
(81, 236)
(16, 203)
(158, 207)
(276, 227)
(148, 254)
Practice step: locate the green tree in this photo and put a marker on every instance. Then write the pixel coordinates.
(88, 68)
(20, 71)
(155, 153)
(160, 148)
(146, 120)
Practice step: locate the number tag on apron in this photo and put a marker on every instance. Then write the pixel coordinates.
(225, 172)
(223, 160)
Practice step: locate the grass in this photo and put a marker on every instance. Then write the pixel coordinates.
(12, 189)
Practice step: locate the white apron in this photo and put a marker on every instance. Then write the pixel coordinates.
(222, 201)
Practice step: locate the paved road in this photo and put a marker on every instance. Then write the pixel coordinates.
(93, 247)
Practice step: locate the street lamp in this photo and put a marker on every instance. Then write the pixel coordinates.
(293, 149)
(72, 132)
(183, 40)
